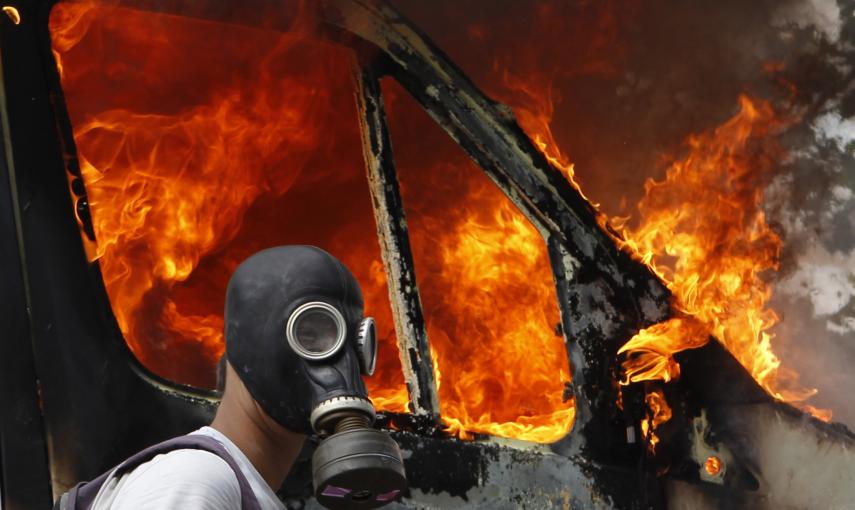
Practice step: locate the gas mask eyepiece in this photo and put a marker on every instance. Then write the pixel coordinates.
(316, 331)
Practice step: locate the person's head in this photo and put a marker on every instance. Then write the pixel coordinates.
(293, 321)
(298, 342)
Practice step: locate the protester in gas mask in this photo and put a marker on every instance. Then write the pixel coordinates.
(296, 346)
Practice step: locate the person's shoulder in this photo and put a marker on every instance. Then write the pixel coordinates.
(190, 464)
(186, 478)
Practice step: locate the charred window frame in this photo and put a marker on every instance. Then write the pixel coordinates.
(394, 238)
(393, 234)
(590, 272)
(370, 66)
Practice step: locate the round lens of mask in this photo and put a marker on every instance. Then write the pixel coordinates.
(316, 330)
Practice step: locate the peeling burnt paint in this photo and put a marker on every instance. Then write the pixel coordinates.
(395, 245)
(448, 473)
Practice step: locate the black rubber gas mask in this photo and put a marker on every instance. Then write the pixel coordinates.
(297, 338)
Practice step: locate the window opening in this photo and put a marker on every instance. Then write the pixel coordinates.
(487, 289)
(199, 144)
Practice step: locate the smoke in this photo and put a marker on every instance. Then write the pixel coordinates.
(628, 81)
(813, 204)
(824, 16)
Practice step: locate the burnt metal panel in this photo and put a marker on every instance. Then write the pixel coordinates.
(24, 476)
(393, 234)
(500, 474)
(792, 459)
(564, 268)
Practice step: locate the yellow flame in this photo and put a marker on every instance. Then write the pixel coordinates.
(658, 413)
(13, 14)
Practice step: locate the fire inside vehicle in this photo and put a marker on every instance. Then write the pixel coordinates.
(535, 349)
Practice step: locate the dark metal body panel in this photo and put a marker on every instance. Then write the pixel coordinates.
(24, 476)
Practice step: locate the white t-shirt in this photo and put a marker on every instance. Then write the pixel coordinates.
(188, 480)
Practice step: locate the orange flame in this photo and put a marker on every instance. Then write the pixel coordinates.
(486, 287)
(503, 355)
(703, 231)
(658, 413)
(712, 465)
(13, 14)
(180, 195)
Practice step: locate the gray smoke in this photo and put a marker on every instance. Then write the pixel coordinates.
(813, 203)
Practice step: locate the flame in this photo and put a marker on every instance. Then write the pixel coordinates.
(712, 465)
(703, 231)
(198, 151)
(658, 413)
(534, 110)
(494, 333)
(487, 292)
(13, 14)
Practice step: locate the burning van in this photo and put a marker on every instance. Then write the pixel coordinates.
(534, 352)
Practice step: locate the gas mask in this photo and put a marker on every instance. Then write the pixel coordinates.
(297, 338)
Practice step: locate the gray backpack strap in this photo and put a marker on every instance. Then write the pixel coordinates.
(61, 503)
(82, 495)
